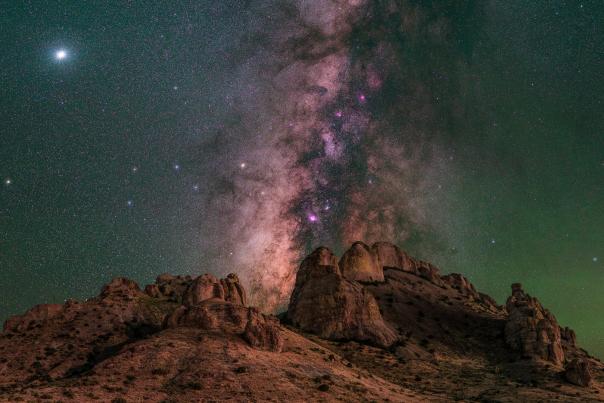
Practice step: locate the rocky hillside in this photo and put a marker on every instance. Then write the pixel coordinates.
(374, 325)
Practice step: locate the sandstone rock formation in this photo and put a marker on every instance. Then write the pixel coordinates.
(415, 336)
(170, 287)
(326, 303)
(390, 256)
(532, 330)
(359, 263)
(121, 287)
(568, 336)
(461, 284)
(429, 272)
(578, 372)
(260, 330)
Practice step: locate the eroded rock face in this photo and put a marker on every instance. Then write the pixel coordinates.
(203, 288)
(170, 287)
(326, 303)
(259, 330)
(578, 372)
(532, 330)
(233, 290)
(568, 336)
(429, 272)
(390, 256)
(190, 291)
(359, 263)
(461, 284)
(121, 287)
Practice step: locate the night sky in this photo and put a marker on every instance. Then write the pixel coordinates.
(138, 138)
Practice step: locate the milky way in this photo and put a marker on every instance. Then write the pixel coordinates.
(344, 141)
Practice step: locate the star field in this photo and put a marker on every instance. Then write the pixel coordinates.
(138, 139)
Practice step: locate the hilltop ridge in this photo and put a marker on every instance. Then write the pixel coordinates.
(375, 324)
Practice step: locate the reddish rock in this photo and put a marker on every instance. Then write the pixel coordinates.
(260, 331)
(532, 330)
(359, 263)
(263, 332)
(317, 264)
(429, 272)
(461, 284)
(36, 315)
(202, 288)
(121, 287)
(233, 290)
(390, 256)
(172, 287)
(488, 300)
(152, 290)
(568, 336)
(578, 372)
(327, 304)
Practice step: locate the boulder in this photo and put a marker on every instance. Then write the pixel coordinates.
(578, 372)
(532, 330)
(359, 263)
(326, 303)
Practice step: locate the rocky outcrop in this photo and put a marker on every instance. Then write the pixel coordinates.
(233, 290)
(190, 291)
(36, 315)
(326, 303)
(121, 287)
(532, 330)
(218, 306)
(429, 272)
(169, 287)
(259, 330)
(390, 256)
(203, 288)
(359, 263)
(578, 372)
(461, 284)
(568, 336)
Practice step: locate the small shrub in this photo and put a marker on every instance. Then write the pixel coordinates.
(240, 370)
(194, 385)
(159, 371)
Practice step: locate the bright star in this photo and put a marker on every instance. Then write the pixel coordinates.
(8, 181)
(242, 165)
(196, 187)
(134, 169)
(492, 241)
(176, 167)
(595, 259)
(312, 218)
(61, 54)
(130, 203)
